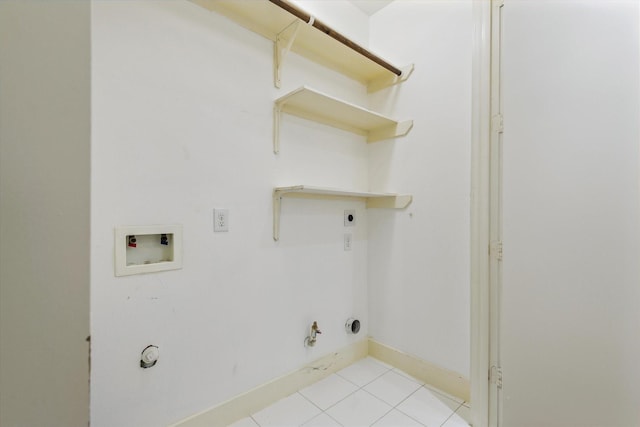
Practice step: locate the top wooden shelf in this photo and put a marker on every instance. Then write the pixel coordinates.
(290, 32)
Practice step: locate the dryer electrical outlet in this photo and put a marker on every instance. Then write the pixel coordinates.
(349, 217)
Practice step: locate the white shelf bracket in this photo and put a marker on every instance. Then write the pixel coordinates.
(401, 129)
(277, 200)
(277, 114)
(393, 202)
(282, 46)
(388, 81)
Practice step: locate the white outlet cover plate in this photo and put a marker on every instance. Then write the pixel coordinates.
(348, 241)
(349, 217)
(220, 220)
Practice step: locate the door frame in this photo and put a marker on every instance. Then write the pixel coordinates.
(486, 208)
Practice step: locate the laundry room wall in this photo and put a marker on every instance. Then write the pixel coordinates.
(182, 102)
(418, 264)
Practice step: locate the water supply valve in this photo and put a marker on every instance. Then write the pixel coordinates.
(310, 341)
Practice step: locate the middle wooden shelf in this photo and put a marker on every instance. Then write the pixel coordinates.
(372, 199)
(319, 107)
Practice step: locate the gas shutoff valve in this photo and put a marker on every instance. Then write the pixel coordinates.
(149, 356)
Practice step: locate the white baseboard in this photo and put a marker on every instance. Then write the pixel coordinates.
(262, 396)
(448, 381)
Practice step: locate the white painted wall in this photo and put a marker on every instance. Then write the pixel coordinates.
(571, 291)
(182, 123)
(419, 259)
(44, 213)
(341, 15)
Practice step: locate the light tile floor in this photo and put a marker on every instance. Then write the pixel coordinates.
(367, 393)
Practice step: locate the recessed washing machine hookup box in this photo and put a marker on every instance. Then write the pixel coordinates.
(147, 249)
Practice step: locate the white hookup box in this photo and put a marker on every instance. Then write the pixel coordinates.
(147, 249)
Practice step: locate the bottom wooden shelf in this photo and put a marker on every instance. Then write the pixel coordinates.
(373, 200)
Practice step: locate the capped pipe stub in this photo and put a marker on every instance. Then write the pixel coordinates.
(149, 356)
(352, 326)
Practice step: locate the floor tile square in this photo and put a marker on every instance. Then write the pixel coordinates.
(456, 421)
(396, 418)
(463, 412)
(329, 391)
(363, 371)
(359, 409)
(412, 378)
(445, 394)
(429, 408)
(380, 362)
(392, 388)
(245, 422)
(294, 410)
(364, 394)
(322, 420)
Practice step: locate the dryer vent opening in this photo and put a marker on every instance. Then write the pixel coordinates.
(352, 326)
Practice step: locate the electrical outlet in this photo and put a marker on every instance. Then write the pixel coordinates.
(220, 220)
(348, 241)
(349, 217)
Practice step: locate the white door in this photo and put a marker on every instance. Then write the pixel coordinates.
(569, 344)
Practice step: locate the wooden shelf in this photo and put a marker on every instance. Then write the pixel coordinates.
(291, 33)
(292, 29)
(319, 107)
(373, 200)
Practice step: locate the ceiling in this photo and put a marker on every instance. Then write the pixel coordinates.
(370, 6)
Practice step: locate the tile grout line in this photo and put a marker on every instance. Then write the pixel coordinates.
(310, 401)
(357, 385)
(339, 401)
(313, 403)
(392, 407)
(331, 406)
(383, 415)
(457, 404)
(337, 422)
(361, 388)
(449, 417)
(444, 394)
(403, 400)
(323, 411)
(353, 392)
